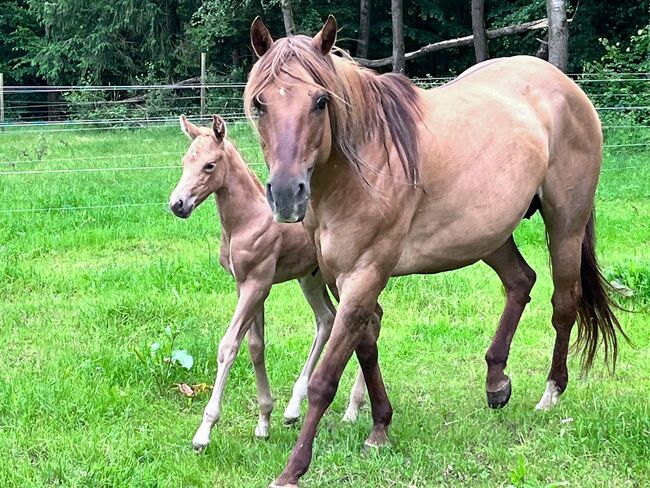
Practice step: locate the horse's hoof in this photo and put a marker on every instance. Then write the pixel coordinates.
(290, 421)
(550, 398)
(199, 448)
(275, 485)
(262, 434)
(499, 398)
(378, 439)
(351, 415)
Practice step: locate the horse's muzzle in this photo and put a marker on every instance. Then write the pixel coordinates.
(181, 208)
(288, 198)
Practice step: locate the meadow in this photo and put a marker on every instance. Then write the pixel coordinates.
(108, 269)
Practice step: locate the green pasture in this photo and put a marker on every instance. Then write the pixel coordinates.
(80, 289)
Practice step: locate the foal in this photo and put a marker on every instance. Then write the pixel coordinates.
(258, 252)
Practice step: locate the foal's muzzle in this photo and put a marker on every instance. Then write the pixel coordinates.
(288, 198)
(181, 208)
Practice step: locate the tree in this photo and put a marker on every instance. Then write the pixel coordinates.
(397, 14)
(558, 33)
(478, 30)
(364, 28)
(287, 17)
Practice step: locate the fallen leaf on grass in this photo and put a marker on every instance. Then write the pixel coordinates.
(185, 389)
(201, 387)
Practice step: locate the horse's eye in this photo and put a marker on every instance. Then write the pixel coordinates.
(208, 167)
(258, 107)
(321, 103)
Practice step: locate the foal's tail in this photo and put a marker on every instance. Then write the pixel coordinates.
(596, 320)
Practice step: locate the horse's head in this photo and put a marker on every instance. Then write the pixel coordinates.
(290, 92)
(203, 166)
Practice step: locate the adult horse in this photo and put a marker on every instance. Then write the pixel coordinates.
(400, 180)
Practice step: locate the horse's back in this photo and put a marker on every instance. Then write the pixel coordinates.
(490, 141)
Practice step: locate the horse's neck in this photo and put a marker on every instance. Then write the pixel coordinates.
(240, 198)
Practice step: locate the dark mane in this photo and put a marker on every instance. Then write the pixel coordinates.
(364, 105)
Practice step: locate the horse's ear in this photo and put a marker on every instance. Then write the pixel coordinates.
(260, 37)
(188, 128)
(219, 128)
(325, 39)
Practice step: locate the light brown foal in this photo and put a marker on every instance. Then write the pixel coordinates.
(258, 252)
(400, 180)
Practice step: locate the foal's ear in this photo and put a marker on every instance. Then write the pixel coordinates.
(325, 39)
(190, 130)
(219, 128)
(260, 37)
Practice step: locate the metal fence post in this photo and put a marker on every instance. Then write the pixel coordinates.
(2, 101)
(202, 84)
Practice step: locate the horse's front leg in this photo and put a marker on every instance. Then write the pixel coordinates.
(252, 294)
(359, 292)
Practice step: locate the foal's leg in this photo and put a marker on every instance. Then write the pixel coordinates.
(251, 298)
(518, 279)
(357, 398)
(358, 299)
(264, 400)
(315, 291)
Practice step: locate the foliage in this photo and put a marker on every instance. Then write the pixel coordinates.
(629, 61)
(160, 359)
(118, 42)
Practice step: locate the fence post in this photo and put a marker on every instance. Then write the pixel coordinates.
(202, 85)
(2, 101)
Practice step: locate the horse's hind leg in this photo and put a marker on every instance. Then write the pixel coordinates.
(518, 279)
(565, 249)
(315, 291)
(264, 400)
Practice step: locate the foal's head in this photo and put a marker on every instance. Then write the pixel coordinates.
(290, 93)
(203, 165)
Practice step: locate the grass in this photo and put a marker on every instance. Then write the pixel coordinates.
(82, 288)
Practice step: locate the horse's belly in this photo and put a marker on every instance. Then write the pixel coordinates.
(441, 241)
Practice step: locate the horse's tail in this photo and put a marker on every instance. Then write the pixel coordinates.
(596, 320)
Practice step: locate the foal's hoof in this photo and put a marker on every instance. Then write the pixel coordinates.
(290, 421)
(275, 485)
(499, 398)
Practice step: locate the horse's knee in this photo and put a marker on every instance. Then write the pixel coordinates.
(321, 391)
(227, 352)
(520, 287)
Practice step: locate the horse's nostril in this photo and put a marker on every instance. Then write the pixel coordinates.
(178, 205)
(302, 191)
(269, 192)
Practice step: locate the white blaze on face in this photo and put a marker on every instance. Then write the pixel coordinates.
(283, 92)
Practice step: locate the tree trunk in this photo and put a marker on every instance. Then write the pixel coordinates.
(397, 14)
(558, 33)
(457, 42)
(478, 30)
(364, 28)
(287, 17)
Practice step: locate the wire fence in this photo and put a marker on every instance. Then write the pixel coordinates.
(622, 100)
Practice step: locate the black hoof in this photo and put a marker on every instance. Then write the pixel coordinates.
(290, 422)
(499, 398)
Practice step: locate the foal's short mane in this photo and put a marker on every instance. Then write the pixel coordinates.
(363, 104)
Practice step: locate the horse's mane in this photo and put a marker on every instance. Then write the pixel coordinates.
(363, 104)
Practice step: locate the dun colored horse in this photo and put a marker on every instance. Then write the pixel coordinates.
(258, 252)
(399, 180)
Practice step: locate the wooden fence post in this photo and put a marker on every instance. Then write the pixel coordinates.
(2, 101)
(203, 78)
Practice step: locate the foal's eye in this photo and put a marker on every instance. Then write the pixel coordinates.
(208, 167)
(321, 103)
